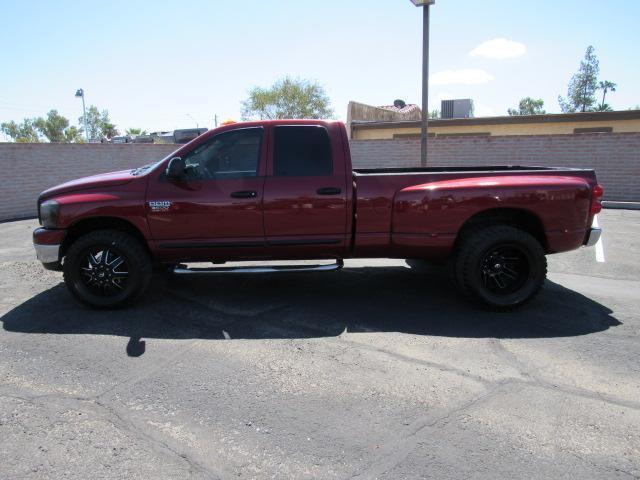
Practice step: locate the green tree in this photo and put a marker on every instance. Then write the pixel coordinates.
(98, 124)
(581, 95)
(24, 132)
(73, 134)
(528, 106)
(287, 98)
(435, 113)
(606, 86)
(603, 107)
(135, 131)
(55, 128)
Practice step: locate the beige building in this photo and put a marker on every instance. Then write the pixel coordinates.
(372, 128)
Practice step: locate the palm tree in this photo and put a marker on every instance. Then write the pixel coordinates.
(604, 107)
(135, 131)
(606, 86)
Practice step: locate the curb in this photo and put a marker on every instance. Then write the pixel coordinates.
(622, 205)
(17, 219)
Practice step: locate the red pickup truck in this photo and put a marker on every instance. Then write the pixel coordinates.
(286, 190)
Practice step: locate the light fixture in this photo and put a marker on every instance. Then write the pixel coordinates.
(80, 94)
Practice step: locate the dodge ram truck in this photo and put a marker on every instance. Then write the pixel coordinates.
(286, 190)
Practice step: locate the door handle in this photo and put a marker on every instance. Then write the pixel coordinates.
(328, 191)
(244, 194)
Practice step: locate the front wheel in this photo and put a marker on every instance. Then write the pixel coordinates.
(107, 268)
(501, 266)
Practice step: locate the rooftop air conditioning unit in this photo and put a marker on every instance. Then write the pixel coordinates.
(457, 108)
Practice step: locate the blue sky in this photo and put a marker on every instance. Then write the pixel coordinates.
(152, 64)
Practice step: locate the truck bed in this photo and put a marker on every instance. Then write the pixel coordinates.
(377, 190)
(472, 169)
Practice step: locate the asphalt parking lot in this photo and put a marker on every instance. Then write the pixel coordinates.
(377, 371)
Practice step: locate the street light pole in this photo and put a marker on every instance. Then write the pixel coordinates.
(80, 93)
(425, 86)
(424, 133)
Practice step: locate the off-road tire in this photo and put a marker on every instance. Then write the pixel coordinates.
(136, 260)
(477, 250)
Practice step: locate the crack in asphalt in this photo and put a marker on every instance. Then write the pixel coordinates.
(413, 360)
(536, 379)
(114, 417)
(129, 425)
(409, 436)
(404, 446)
(511, 360)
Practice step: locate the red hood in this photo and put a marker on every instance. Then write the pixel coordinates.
(95, 181)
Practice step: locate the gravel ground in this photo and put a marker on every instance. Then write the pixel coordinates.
(377, 371)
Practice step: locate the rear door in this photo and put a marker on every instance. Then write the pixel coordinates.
(305, 194)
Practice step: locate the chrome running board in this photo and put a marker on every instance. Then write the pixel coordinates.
(182, 270)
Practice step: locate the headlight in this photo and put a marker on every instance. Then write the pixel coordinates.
(49, 213)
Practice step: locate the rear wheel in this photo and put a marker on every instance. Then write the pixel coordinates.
(501, 266)
(107, 268)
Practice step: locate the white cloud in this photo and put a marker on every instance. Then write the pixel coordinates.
(482, 110)
(436, 98)
(460, 77)
(499, 48)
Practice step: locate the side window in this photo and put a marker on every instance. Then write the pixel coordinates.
(232, 154)
(302, 151)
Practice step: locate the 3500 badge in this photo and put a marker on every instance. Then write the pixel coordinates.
(160, 205)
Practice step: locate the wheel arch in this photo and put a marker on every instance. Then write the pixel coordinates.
(87, 225)
(520, 218)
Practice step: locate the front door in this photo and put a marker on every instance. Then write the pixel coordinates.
(218, 205)
(305, 197)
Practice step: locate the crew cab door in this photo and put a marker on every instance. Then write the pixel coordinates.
(218, 205)
(305, 196)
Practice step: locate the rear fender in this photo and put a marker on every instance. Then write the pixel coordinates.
(433, 213)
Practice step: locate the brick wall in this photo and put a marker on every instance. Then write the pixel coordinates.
(615, 157)
(28, 169)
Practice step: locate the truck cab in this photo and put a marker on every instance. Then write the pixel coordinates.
(255, 191)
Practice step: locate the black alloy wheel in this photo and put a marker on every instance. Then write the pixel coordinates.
(107, 268)
(105, 271)
(505, 268)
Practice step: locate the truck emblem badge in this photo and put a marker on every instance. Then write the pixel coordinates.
(160, 205)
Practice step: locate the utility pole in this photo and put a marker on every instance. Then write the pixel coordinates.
(215, 121)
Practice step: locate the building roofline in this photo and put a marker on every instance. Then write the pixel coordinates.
(506, 120)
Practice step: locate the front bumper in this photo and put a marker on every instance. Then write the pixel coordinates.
(47, 244)
(593, 235)
(47, 253)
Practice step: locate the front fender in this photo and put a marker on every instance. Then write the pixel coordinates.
(123, 203)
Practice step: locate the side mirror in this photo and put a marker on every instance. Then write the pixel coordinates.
(176, 170)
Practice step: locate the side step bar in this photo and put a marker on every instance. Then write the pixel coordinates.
(182, 270)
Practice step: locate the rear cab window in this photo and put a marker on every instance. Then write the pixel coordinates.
(302, 151)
